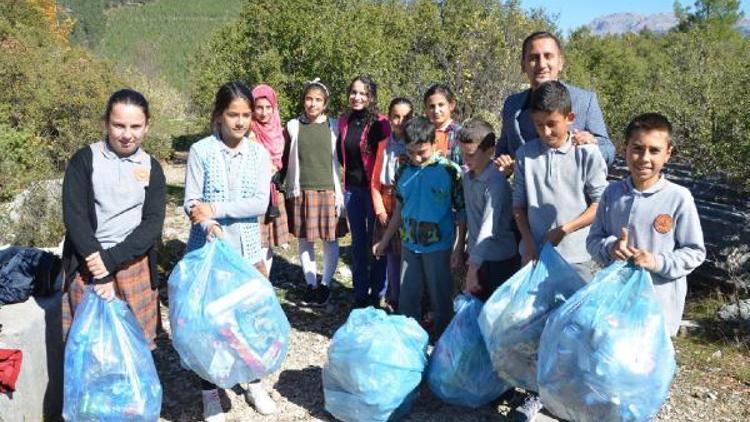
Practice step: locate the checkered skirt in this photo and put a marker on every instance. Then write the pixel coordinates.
(312, 215)
(132, 284)
(275, 231)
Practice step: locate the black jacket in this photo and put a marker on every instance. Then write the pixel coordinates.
(79, 216)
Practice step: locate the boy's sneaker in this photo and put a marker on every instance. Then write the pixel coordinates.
(528, 411)
(322, 296)
(257, 396)
(212, 411)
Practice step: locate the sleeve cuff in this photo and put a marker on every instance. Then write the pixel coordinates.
(109, 261)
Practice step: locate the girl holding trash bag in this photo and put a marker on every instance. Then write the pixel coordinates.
(114, 197)
(226, 190)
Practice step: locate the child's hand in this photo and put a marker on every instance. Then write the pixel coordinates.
(382, 219)
(105, 291)
(471, 284)
(95, 265)
(214, 232)
(505, 164)
(200, 211)
(621, 250)
(556, 235)
(530, 254)
(583, 137)
(644, 259)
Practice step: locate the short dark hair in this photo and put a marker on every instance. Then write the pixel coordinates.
(549, 97)
(126, 96)
(537, 36)
(419, 130)
(479, 132)
(227, 93)
(647, 122)
(439, 88)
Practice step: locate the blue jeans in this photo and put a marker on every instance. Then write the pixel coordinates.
(368, 273)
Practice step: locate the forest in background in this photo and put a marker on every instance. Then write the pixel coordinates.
(60, 61)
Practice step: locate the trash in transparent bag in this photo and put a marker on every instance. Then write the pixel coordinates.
(374, 367)
(109, 372)
(460, 370)
(606, 354)
(227, 324)
(513, 318)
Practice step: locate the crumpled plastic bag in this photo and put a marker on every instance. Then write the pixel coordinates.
(460, 370)
(227, 324)
(513, 318)
(606, 354)
(109, 372)
(375, 365)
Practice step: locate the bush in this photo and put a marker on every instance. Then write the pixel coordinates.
(24, 158)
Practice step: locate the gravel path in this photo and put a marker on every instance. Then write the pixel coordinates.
(696, 395)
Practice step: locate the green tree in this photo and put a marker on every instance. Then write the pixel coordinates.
(721, 15)
(472, 45)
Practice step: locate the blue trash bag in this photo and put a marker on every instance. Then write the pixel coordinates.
(227, 324)
(109, 372)
(606, 354)
(375, 365)
(512, 319)
(460, 370)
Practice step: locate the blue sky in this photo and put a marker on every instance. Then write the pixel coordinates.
(574, 13)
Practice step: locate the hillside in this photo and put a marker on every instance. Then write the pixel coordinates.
(158, 37)
(620, 23)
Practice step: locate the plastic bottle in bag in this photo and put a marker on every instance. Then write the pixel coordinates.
(513, 318)
(606, 355)
(375, 365)
(109, 371)
(460, 370)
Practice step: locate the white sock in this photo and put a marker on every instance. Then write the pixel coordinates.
(307, 260)
(330, 260)
(267, 258)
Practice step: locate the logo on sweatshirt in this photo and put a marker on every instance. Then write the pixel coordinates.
(663, 223)
(141, 174)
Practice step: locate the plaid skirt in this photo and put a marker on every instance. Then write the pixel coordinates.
(312, 215)
(132, 284)
(275, 231)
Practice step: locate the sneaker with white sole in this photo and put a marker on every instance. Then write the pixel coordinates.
(212, 411)
(529, 410)
(256, 395)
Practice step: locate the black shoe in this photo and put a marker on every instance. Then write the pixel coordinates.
(310, 295)
(322, 296)
(375, 301)
(361, 303)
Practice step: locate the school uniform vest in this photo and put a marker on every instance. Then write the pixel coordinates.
(216, 189)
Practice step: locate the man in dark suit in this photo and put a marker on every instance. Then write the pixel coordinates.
(542, 60)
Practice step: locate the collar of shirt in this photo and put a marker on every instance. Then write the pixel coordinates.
(563, 149)
(659, 185)
(137, 157)
(241, 148)
(448, 127)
